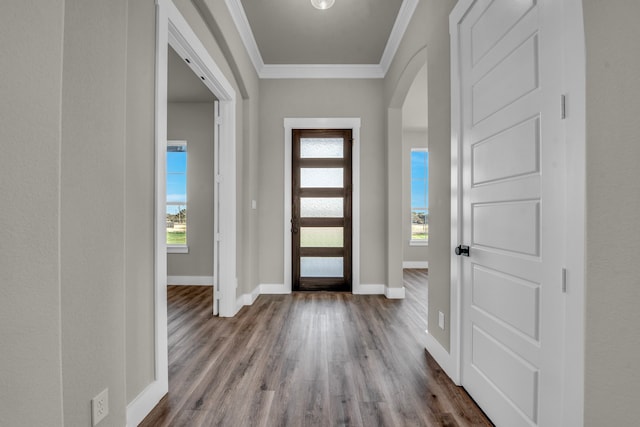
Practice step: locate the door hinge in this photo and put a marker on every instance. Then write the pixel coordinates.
(564, 280)
(218, 179)
(218, 237)
(219, 120)
(563, 106)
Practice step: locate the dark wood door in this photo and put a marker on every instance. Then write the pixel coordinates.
(321, 209)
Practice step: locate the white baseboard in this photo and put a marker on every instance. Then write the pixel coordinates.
(394, 293)
(190, 280)
(273, 289)
(371, 289)
(247, 299)
(443, 357)
(415, 264)
(142, 405)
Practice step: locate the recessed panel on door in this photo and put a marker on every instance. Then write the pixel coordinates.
(512, 375)
(509, 226)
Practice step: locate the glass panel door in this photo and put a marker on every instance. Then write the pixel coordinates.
(321, 210)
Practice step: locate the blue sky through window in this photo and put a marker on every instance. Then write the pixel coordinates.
(176, 177)
(419, 179)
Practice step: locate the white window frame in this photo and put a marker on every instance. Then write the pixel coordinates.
(412, 241)
(180, 248)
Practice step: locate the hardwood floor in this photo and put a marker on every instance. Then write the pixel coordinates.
(307, 359)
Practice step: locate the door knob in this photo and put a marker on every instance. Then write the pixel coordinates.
(462, 250)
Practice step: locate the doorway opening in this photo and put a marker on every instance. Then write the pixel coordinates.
(173, 30)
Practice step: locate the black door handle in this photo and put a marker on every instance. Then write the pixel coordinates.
(462, 250)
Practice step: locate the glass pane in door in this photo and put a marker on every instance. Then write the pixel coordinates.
(321, 266)
(321, 177)
(321, 148)
(321, 237)
(321, 207)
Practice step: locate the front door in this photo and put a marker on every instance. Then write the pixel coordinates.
(321, 209)
(512, 187)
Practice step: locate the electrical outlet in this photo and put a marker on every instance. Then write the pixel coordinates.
(100, 406)
(441, 319)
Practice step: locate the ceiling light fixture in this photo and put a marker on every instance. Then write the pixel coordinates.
(322, 4)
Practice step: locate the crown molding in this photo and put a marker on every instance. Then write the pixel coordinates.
(397, 32)
(321, 71)
(242, 25)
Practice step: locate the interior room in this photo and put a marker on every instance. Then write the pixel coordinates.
(494, 143)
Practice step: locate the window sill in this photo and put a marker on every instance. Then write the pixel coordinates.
(418, 243)
(174, 249)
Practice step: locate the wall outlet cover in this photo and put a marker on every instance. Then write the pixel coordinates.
(100, 406)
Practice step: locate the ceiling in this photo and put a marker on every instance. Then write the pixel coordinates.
(183, 84)
(292, 39)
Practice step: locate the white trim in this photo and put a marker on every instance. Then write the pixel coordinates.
(274, 289)
(177, 249)
(394, 293)
(415, 264)
(161, 350)
(247, 299)
(322, 71)
(397, 33)
(574, 79)
(446, 361)
(418, 243)
(227, 275)
(172, 29)
(455, 311)
(253, 296)
(190, 280)
(352, 123)
(242, 25)
(370, 289)
(143, 403)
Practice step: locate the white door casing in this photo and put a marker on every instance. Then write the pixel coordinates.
(510, 186)
(352, 123)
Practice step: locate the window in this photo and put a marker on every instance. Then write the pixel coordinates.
(176, 195)
(419, 196)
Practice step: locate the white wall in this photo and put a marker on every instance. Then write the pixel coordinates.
(140, 195)
(322, 98)
(92, 207)
(30, 113)
(612, 377)
(194, 123)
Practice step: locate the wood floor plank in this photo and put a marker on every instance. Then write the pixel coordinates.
(307, 359)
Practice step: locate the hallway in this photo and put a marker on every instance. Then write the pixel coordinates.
(312, 359)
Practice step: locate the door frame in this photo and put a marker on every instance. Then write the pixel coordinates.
(352, 123)
(298, 163)
(574, 82)
(172, 29)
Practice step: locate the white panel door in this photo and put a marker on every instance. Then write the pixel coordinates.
(508, 66)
